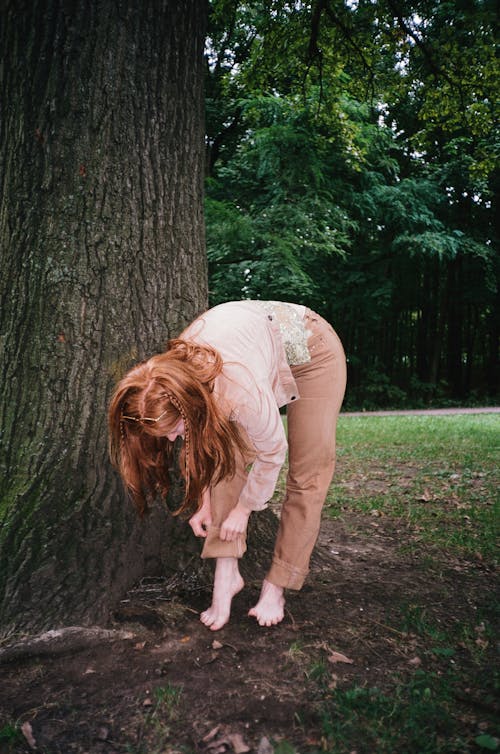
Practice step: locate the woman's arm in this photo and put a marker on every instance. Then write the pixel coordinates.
(264, 426)
(265, 430)
(201, 520)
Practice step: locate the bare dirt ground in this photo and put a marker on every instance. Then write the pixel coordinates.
(175, 684)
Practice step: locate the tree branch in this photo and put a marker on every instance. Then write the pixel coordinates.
(435, 68)
(351, 42)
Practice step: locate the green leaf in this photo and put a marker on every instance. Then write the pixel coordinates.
(487, 742)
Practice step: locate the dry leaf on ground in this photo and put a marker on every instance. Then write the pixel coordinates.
(27, 732)
(211, 734)
(238, 744)
(339, 657)
(265, 746)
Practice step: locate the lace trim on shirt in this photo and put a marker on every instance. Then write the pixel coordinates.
(292, 328)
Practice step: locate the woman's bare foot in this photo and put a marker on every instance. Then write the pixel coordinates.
(270, 609)
(227, 583)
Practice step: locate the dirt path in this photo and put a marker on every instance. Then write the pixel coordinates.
(427, 412)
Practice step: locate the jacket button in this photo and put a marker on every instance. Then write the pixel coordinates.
(293, 397)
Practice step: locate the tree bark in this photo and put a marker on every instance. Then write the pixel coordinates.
(102, 242)
(454, 328)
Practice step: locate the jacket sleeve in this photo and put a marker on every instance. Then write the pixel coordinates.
(261, 418)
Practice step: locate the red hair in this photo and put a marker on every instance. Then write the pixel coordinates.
(148, 403)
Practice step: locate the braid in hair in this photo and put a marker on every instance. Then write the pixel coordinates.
(187, 437)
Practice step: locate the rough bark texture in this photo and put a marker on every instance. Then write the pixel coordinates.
(101, 234)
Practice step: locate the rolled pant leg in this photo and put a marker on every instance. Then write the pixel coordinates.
(311, 439)
(223, 498)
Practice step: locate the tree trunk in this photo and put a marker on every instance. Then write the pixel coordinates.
(101, 231)
(454, 329)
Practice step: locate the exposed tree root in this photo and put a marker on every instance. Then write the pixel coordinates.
(60, 640)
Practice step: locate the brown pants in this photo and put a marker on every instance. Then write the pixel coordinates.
(312, 424)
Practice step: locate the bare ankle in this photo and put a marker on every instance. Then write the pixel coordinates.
(227, 583)
(270, 609)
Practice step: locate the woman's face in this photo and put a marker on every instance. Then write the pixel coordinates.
(177, 431)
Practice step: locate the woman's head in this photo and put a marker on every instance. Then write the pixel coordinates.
(168, 395)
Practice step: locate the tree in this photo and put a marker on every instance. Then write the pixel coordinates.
(353, 170)
(101, 231)
(272, 219)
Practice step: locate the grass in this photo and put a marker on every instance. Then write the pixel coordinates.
(448, 708)
(437, 479)
(440, 474)
(157, 726)
(10, 734)
(417, 716)
(425, 713)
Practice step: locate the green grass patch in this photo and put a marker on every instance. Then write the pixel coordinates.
(420, 715)
(448, 636)
(10, 734)
(438, 473)
(156, 729)
(421, 712)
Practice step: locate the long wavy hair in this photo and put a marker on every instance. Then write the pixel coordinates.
(148, 403)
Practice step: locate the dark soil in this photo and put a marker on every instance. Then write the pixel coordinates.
(244, 687)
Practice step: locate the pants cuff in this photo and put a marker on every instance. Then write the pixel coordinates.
(286, 575)
(214, 547)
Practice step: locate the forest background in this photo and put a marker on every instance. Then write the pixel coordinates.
(352, 165)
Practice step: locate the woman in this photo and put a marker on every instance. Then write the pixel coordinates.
(220, 387)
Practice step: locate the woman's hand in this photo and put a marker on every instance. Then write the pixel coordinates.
(202, 519)
(235, 524)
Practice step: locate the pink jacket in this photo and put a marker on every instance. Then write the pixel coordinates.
(255, 382)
